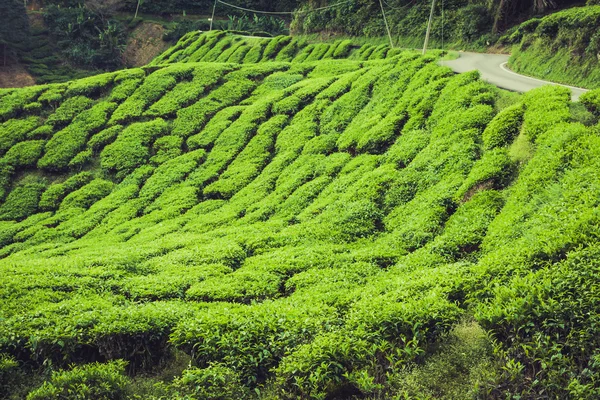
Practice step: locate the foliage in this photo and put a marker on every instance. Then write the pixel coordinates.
(562, 47)
(15, 27)
(98, 381)
(591, 101)
(216, 46)
(362, 224)
(257, 23)
(85, 36)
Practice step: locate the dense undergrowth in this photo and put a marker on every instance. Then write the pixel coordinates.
(563, 47)
(317, 229)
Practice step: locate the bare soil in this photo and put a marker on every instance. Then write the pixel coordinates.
(144, 43)
(15, 75)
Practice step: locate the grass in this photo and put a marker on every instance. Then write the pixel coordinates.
(365, 225)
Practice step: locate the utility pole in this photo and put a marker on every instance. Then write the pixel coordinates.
(213, 15)
(137, 8)
(429, 27)
(387, 27)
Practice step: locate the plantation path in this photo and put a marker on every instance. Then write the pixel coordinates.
(494, 70)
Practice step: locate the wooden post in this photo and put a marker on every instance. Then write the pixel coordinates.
(136, 9)
(429, 27)
(387, 27)
(213, 15)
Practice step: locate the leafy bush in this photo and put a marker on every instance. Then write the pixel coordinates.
(132, 147)
(298, 230)
(23, 199)
(14, 131)
(545, 108)
(213, 382)
(591, 100)
(98, 381)
(65, 144)
(56, 192)
(86, 37)
(25, 154)
(504, 128)
(69, 109)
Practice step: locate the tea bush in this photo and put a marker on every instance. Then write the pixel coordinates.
(592, 101)
(98, 381)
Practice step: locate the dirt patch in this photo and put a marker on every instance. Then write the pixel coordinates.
(144, 43)
(15, 76)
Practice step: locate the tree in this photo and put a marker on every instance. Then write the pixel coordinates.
(505, 11)
(14, 26)
(103, 8)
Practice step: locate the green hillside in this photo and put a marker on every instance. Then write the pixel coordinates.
(218, 46)
(562, 47)
(327, 229)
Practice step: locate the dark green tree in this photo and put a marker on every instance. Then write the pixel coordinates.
(14, 26)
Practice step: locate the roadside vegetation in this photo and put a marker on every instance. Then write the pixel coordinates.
(563, 47)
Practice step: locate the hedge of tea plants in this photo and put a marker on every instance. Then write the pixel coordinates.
(219, 46)
(327, 229)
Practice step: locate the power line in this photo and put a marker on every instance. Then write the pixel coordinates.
(401, 7)
(286, 12)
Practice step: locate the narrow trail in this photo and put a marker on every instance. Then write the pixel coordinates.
(494, 70)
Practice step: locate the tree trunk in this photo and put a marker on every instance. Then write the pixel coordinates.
(498, 16)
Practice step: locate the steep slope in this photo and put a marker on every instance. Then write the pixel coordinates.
(310, 230)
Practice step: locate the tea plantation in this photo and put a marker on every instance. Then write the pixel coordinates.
(217, 46)
(278, 226)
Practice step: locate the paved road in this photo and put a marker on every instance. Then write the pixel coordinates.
(494, 70)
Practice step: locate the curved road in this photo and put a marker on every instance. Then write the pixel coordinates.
(493, 69)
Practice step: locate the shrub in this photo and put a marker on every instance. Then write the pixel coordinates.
(172, 171)
(23, 199)
(69, 109)
(248, 164)
(53, 196)
(343, 49)
(132, 147)
(192, 119)
(67, 143)
(88, 194)
(90, 87)
(6, 173)
(214, 128)
(185, 93)
(213, 382)
(14, 131)
(591, 100)
(494, 170)
(25, 154)
(545, 108)
(124, 90)
(166, 148)
(103, 138)
(152, 89)
(42, 132)
(96, 380)
(504, 128)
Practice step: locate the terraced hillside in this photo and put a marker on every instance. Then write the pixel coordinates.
(218, 46)
(297, 230)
